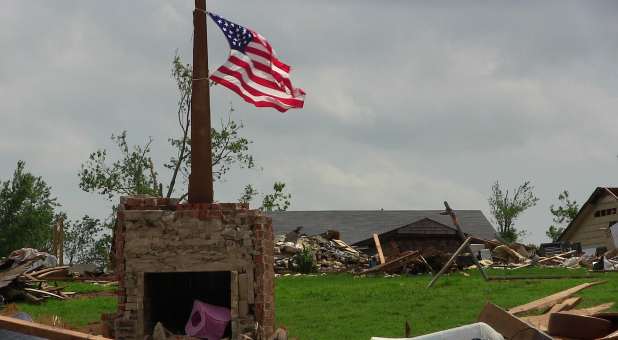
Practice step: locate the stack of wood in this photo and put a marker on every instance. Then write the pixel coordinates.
(19, 283)
(555, 318)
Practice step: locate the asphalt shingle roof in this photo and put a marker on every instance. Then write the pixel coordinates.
(358, 225)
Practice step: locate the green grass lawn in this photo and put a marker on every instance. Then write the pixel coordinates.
(343, 307)
(77, 311)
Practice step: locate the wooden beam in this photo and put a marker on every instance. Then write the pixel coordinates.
(200, 179)
(451, 212)
(539, 277)
(44, 292)
(376, 239)
(565, 305)
(463, 246)
(44, 331)
(551, 300)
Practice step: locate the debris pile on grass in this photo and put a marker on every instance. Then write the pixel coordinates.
(296, 252)
(24, 276)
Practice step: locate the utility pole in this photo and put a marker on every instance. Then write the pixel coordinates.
(200, 179)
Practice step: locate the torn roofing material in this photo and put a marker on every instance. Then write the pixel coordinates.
(358, 225)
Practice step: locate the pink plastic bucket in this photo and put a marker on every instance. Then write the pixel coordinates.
(207, 321)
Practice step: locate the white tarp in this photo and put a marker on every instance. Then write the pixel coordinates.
(479, 330)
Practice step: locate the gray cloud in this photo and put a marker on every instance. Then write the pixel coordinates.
(409, 103)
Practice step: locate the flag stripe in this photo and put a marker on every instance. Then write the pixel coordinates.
(261, 101)
(257, 75)
(251, 86)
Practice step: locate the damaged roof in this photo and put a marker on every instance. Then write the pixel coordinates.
(359, 225)
(598, 193)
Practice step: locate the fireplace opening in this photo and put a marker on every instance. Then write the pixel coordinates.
(169, 297)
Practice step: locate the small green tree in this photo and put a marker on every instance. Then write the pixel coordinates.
(87, 241)
(278, 200)
(562, 215)
(26, 212)
(132, 174)
(505, 208)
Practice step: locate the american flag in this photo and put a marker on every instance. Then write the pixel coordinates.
(253, 70)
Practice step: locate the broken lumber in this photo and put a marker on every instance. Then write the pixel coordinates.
(376, 239)
(565, 305)
(42, 271)
(461, 235)
(44, 331)
(44, 292)
(559, 256)
(395, 264)
(509, 325)
(539, 277)
(542, 321)
(551, 300)
(449, 262)
(592, 310)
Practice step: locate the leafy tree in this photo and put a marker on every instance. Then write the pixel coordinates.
(134, 173)
(87, 241)
(248, 194)
(506, 208)
(278, 200)
(562, 215)
(26, 212)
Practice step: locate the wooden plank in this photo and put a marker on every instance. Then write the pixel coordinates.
(395, 263)
(590, 311)
(38, 291)
(551, 300)
(376, 239)
(449, 262)
(565, 305)
(556, 256)
(47, 270)
(44, 331)
(510, 326)
(542, 321)
(428, 265)
(539, 277)
(450, 212)
(40, 276)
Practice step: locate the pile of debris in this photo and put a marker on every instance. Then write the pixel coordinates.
(508, 257)
(23, 276)
(328, 252)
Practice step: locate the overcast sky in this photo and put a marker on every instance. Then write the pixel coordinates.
(408, 103)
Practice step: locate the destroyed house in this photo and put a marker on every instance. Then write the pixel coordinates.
(591, 225)
(398, 230)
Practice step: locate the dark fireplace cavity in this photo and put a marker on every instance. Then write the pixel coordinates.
(168, 297)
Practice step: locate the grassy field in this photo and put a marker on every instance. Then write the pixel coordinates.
(337, 307)
(86, 308)
(344, 307)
